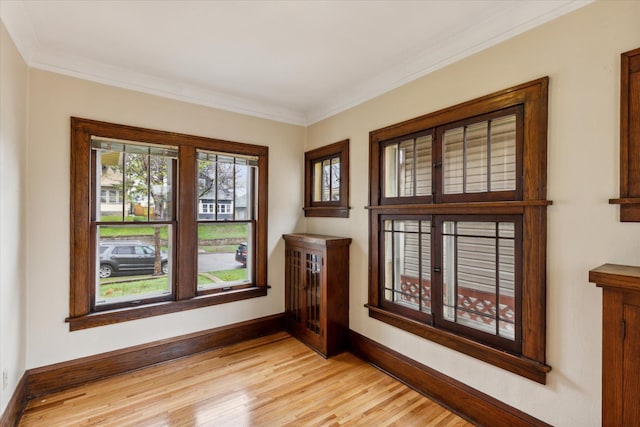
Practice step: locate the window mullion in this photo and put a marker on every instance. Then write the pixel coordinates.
(187, 232)
(464, 160)
(398, 170)
(330, 178)
(419, 265)
(489, 155)
(393, 261)
(455, 270)
(497, 282)
(415, 168)
(436, 166)
(124, 182)
(436, 270)
(215, 205)
(148, 157)
(233, 198)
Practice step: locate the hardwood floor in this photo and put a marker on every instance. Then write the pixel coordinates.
(270, 381)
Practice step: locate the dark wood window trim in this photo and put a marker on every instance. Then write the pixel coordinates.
(530, 203)
(629, 199)
(339, 208)
(185, 296)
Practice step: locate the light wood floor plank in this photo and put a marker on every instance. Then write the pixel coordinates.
(270, 381)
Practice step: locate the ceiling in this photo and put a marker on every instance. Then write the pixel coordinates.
(291, 61)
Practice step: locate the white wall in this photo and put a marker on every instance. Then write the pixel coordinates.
(13, 145)
(53, 99)
(580, 52)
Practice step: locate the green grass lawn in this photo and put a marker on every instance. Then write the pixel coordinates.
(114, 287)
(205, 231)
(222, 231)
(228, 276)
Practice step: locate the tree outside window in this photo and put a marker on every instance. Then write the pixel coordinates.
(129, 246)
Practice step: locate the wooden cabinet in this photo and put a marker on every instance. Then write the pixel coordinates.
(317, 290)
(620, 343)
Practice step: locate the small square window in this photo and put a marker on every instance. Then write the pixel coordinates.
(327, 181)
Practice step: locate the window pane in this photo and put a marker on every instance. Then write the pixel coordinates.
(423, 168)
(469, 167)
(401, 276)
(133, 262)
(111, 179)
(503, 153)
(391, 170)
(479, 275)
(406, 167)
(407, 247)
(225, 187)
(317, 182)
(453, 156)
(476, 158)
(425, 259)
(224, 255)
(134, 182)
(449, 288)
(476, 269)
(245, 182)
(506, 290)
(326, 180)
(335, 179)
(389, 263)
(206, 188)
(160, 175)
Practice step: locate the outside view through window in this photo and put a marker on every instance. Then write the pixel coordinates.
(225, 220)
(136, 220)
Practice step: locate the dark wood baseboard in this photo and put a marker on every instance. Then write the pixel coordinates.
(16, 404)
(469, 403)
(61, 376)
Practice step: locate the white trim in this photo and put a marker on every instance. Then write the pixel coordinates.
(440, 53)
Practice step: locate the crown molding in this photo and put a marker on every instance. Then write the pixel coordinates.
(441, 52)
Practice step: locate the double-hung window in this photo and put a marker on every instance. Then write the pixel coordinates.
(458, 227)
(227, 182)
(162, 222)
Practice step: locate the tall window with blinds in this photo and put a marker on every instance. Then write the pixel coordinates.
(471, 160)
(457, 225)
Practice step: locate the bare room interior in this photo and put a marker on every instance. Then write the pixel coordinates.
(320, 213)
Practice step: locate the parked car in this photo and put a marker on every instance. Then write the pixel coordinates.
(129, 257)
(241, 253)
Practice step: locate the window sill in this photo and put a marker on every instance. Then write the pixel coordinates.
(329, 211)
(102, 318)
(629, 208)
(522, 366)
